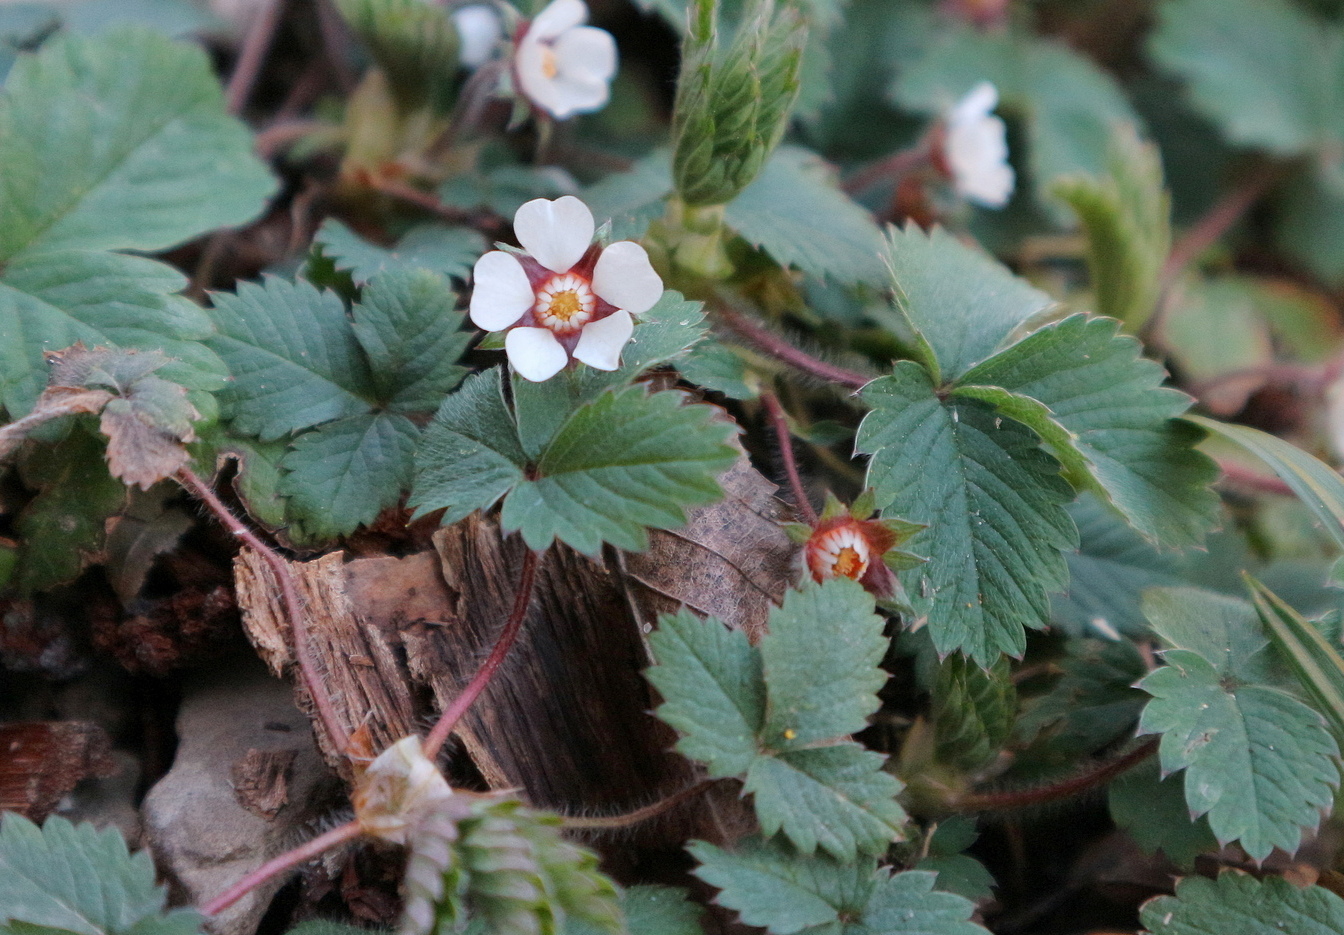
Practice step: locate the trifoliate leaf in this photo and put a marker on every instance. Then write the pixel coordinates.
(74, 878)
(1152, 810)
(786, 893)
(1238, 902)
(714, 691)
(993, 502)
(293, 355)
(120, 142)
(817, 696)
(627, 461)
(1121, 421)
(470, 455)
(1257, 761)
(973, 711)
(1127, 216)
(959, 302)
(413, 338)
(795, 212)
(836, 797)
(1224, 630)
(344, 473)
(434, 247)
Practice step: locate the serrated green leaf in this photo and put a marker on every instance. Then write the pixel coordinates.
(908, 902)
(1127, 217)
(1238, 902)
(993, 502)
(1315, 661)
(957, 873)
(469, 456)
(1222, 629)
(413, 338)
(293, 355)
(1152, 810)
(1258, 762)
(74, 878)
(342, 474)
(1093, 704)
(433, 247)
(837, 797)
(1123, 423)
(817, 696)
(959, 302)
(650, 910)
(711, 681)
(632, 199)
(110, 143)
(1215, 328)
(624, 462)
(795, 212)
(973, 711)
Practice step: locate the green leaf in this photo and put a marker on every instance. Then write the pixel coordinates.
(660, 910)
(907, 902)
(293, 355)
(117, 143)
(632, 199)
(712, 683)
(1316, 484)
(1093, 704)
(795, 212)
(178, 18)
(74, 878)
(958, 873)
(434, 247)
(993, 502)
(1222, 629)
(344, 473)
(627, 461)
(415, 43)
(959, 302)
(1318, 665)
(413, 338)
(1152, 809)
(1238, 902)
(1258, 762)
(469, 456)
(817, 696)
(1127, 217)
(973, 711)
(1216, 328)
(1120, 420)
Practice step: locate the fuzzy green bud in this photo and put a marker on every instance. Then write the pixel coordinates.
(414, 43)
(733, 105)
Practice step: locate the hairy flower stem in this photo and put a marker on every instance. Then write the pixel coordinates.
(301, 854)
(893, 167)
(782, 350)
(630, 819)
(453, 713)
(289, 592)
(1044, 795)
(255, 46)
(781, 426)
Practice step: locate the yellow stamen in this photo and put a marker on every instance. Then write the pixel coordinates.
(548, 66)
(849, 563)
(565, 305)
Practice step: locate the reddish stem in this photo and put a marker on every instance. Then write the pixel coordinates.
(1218, 221)
(629, 819)
(892, 167)
(781, 424)
(301, 854)
(298, 623)
(255, 46)
(1248, 479)
(1027, 798)
(782, 350)
(427, 201)
(522, 597)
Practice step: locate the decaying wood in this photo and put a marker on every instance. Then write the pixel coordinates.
(261, 781)
(41, 762)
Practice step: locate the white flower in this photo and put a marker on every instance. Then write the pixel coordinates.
(569, 298)
(562, 66)
(976, 149)
(480, 30)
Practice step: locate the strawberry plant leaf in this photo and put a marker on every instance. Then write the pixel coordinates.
(1120, 420)
(437, 248)
(413, 338)
(293, 355)
(1257, 761)
(1152, 810)
(1238, 902)
(1094, 702)
(993, 502)
(1224, 630)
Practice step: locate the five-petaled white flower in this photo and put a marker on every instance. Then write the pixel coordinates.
(976, 148)
(562, 66)
(570, 298)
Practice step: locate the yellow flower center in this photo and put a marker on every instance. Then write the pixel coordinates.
(565, 303)
(849, 563)
(548, 66)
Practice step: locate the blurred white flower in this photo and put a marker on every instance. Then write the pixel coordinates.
(562, 66)
(568, 298)
(976, 149)
(480, 30)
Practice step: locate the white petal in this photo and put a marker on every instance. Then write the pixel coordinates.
(480, 30)
(502, 292)
(567, 96)
(601, 342)
(991, 187)
(535, 353)
(556, 233)
(556, 18)
(625, 278)
(586, 53)
(979, 102)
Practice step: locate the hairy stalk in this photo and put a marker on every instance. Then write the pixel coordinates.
(298, 623)
(255, 46)
(1044, 795)
(276, 865)
(782, 350)
(13, 434)
(639, 815)
(781, 426)
(453, 713)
